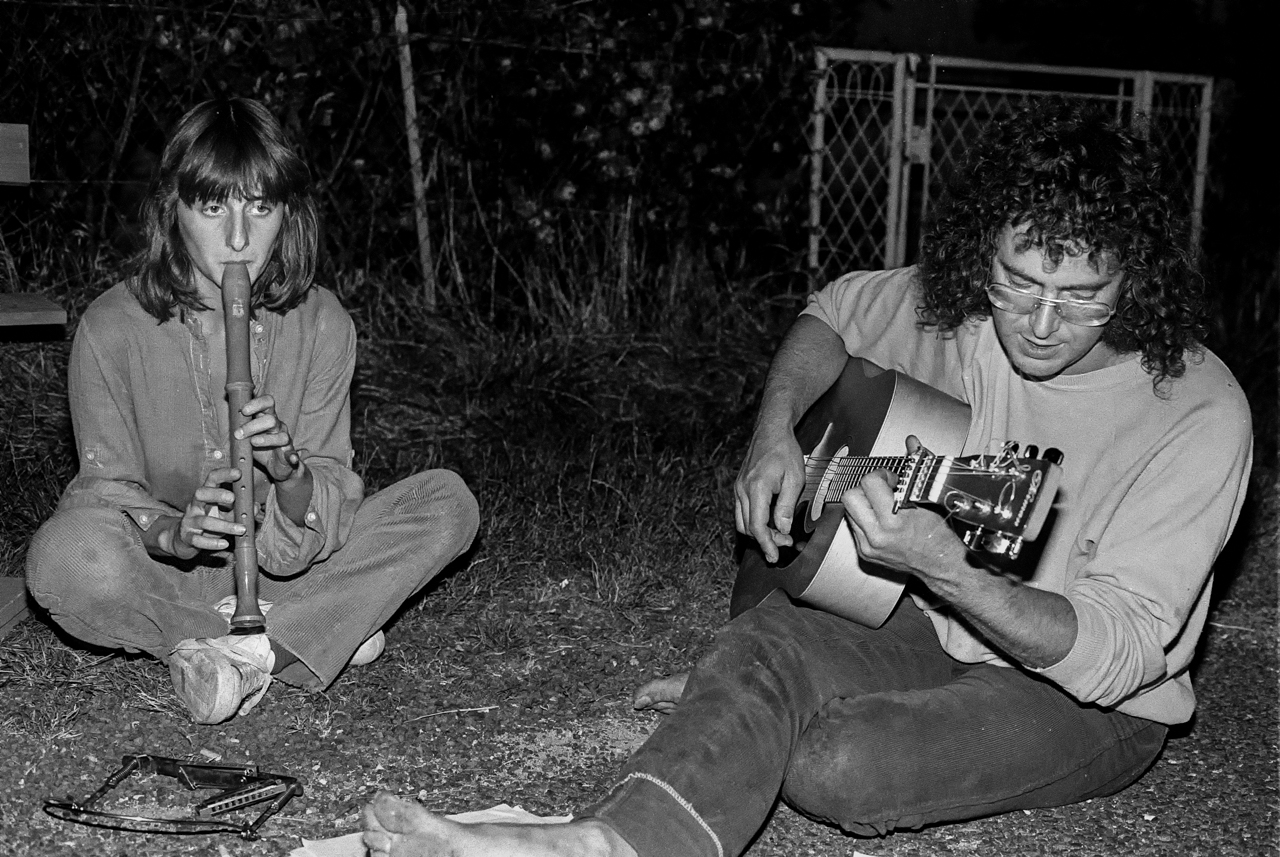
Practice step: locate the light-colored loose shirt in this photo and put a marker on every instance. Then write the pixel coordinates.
(1152, 486)
(151, 421)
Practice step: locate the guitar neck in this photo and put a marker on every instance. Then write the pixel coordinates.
(830, 478)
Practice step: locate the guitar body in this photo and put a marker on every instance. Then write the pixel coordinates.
(867, 412)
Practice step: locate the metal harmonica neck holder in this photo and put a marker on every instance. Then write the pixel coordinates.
(239, 786)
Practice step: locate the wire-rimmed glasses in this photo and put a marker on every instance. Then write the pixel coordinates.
(1022, 302)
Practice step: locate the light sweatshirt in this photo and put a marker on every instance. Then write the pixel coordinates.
(1152, 486)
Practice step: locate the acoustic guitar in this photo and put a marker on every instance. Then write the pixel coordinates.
(994, 502)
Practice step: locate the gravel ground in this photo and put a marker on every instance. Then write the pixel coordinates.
(525, 700)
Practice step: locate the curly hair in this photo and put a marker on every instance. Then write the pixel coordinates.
(1079, 182)
(220, 149)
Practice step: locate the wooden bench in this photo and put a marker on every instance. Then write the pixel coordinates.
(19, 310)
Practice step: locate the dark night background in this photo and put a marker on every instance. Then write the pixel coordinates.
(617, 199)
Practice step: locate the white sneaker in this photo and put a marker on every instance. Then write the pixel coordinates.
(369, 650)
(218, 677)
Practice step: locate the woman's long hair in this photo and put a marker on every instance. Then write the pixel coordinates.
(1078, 182)
(220, 149)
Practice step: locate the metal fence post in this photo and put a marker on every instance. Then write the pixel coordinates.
(1202, 165)
(816, 149)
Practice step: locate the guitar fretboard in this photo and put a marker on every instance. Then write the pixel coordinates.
(836, 475)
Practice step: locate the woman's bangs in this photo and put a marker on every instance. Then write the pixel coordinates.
(227, 168)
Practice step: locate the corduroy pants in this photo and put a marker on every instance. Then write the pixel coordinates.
(870, 730)
(89, 569)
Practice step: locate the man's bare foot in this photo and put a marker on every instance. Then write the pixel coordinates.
(394, 827)
(660, 694)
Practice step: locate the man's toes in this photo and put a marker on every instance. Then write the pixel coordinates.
(660, 694)
(662, 707)
(390, 814)
(376, 842)
(369, 815)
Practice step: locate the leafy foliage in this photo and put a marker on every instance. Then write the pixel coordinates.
(672, 130)
(590, 166)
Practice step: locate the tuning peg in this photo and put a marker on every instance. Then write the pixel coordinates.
(1053, 454)
(1031, 451)
(1010, 447)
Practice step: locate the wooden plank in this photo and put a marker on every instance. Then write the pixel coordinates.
(18, 308)
(13, 603)
(15, 155)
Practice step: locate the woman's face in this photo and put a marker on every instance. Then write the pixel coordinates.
(236, 230)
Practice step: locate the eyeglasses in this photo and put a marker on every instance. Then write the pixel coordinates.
(1084, 313)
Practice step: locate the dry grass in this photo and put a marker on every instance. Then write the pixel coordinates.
(603, 464)
(598, 461)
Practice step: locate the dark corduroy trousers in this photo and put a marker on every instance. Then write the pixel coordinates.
(870, 730)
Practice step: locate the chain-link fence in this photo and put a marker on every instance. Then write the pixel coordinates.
(888, 130)
(857, 157)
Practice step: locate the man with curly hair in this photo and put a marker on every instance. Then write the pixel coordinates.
(1057, 299)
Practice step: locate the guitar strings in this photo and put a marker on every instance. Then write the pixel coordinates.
(850, 470)
(891, 462)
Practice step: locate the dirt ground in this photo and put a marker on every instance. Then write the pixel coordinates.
(526, 700)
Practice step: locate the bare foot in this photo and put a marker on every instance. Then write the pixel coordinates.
(660, 694)
(394, 827)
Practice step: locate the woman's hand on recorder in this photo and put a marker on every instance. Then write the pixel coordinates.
(207, 522)
(269, 436)
(274, 452)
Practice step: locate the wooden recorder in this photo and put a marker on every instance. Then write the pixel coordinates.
(236, 306)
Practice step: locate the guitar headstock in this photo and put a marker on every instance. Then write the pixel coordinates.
(1004, 499)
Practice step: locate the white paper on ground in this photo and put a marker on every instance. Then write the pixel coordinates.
(509, 814)
(352, 846)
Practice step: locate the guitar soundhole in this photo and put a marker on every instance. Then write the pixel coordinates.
(788, 555)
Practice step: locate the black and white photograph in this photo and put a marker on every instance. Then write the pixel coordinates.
(615, 428)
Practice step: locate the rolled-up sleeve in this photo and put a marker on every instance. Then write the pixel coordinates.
(1141, 597)
(317, 407)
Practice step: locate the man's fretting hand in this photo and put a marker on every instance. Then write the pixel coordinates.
(916, 541)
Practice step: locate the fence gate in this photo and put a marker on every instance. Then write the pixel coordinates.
(887, 129)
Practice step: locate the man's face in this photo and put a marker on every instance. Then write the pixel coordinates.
(1042, 344)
